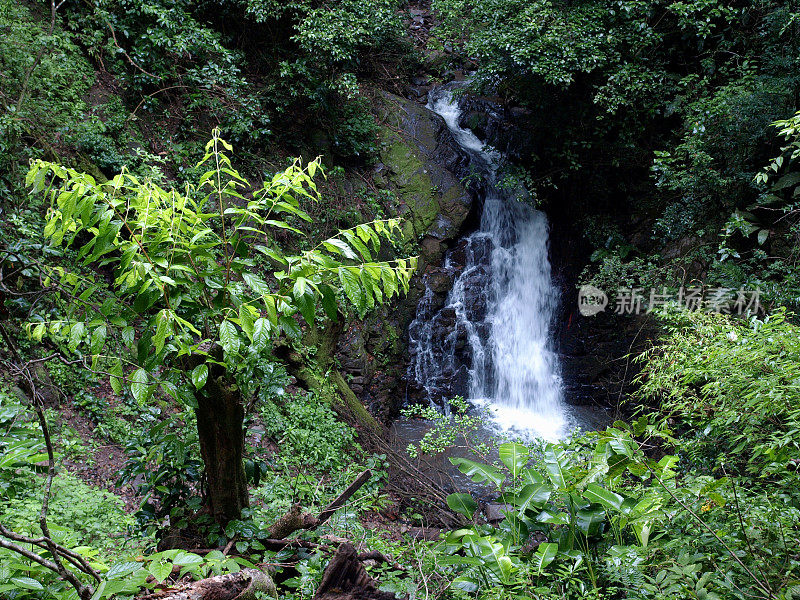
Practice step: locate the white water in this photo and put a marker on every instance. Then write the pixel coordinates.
(514, 372)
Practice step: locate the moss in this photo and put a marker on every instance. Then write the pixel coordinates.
(84, 163)
(412, 183)
(324, 379)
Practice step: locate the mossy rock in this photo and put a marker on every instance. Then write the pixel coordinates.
(423, 162)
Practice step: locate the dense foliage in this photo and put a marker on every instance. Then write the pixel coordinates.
(169, 389)
(658, 115)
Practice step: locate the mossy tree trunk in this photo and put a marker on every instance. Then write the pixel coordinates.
(220, 427)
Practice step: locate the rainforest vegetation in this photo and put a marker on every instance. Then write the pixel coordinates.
(202, 205)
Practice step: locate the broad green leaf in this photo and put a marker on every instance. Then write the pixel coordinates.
(610, 500)
(26, 583)
(555, 464)
(329, 304)
(255, 283)
(463, 504)
(290, 327)
(162, 329)
(160, 570)
(188, 559)
(247, 317)
(228, 337)
(642, 530)
(787, 181)
(261, 330)
(351, 284)
(122, 569)
(515, 456)
(98, 339)
(588, 520)
(307, 307)
(545, 554)
(76, 335)
(199, 376)
(494, 556)
(466, 583)
(139, 387)
(128, 336)
(478, 472)
(533, 495)
(551, 518)
(116, 380)
(337, 246)
(532, 476)
(459, 560)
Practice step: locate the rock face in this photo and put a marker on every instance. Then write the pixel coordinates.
(423, 166)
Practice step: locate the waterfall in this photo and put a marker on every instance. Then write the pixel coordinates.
(492, 338)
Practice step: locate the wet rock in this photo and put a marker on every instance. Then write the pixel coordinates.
(439, 280)
(426, 166)
(444, 321)
(494, 512)
(431, 250)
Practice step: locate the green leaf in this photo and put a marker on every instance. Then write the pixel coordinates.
(122, 569)
(494, 556)
(116, 378)
(786, 181)
(76, 335)
(610, 500)
(139, 387)
(532, 476)
(545, 554)
(98, 339)
(26, 583)
(247, 316)
(533, 495)
(463, 504)
(128, 336)
(228, 337)
(255, 283)
(290, 327)
(465, 583)
(515, 456)
(329, 304)
(188, 559)
(199, 376)
(160, 570)
(554, 462)
(546, 516)
(351, 284)
(588, 520)
(307, 307)
(337, 246)
(162, 328)
(261, 329)
(478, 472)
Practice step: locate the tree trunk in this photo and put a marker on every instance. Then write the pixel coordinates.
(220, 420)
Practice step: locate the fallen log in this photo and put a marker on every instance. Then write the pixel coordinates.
(295, 519)
(247, 584)
(346, 579)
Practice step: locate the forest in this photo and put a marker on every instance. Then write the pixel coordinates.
(383, 299)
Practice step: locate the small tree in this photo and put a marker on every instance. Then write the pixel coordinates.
(190, 301)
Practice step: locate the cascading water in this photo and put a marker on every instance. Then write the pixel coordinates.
(494, 331)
